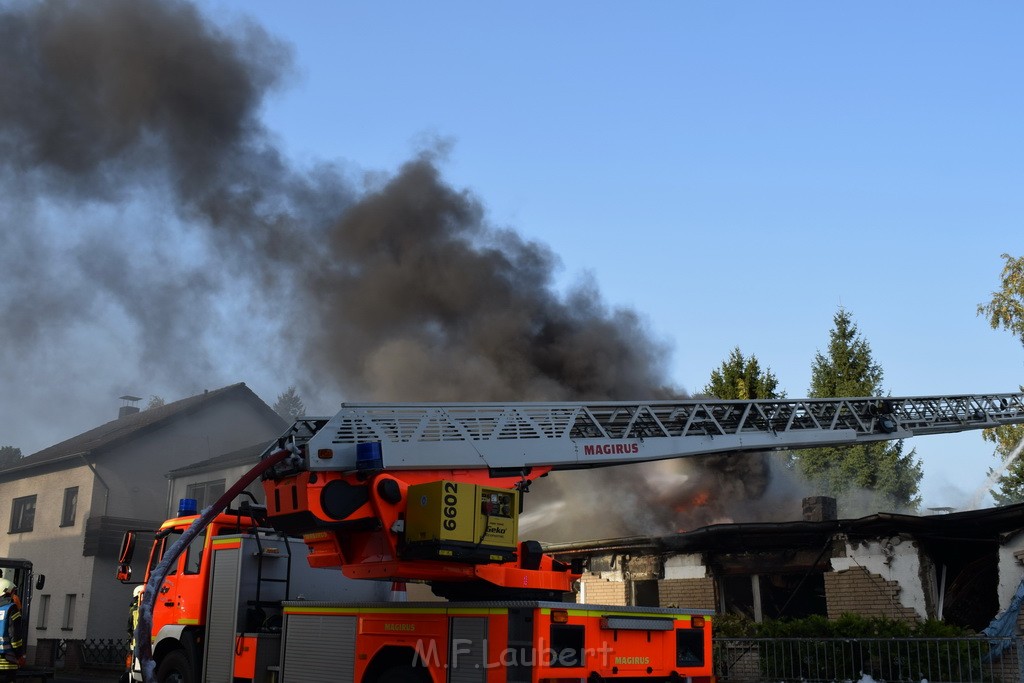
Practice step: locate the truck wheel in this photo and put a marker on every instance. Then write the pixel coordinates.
(403, 674)
(175, 668)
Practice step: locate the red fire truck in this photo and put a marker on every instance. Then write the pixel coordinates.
(389, 493)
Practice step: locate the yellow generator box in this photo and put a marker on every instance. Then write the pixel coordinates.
(460, 521)
(498, 519)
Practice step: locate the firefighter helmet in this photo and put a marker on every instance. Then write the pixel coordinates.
(138, 591)
(6, 590)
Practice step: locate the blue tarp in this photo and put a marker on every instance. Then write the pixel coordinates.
(1005, 623)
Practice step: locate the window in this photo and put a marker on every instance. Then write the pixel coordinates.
(773, 596)
(23, 514)
(69, 612)
(567, 645)
(193, 553)
(205, 492)
(42, 611)
(645, 593)
(67, 515)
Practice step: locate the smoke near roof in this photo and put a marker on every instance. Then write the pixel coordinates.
(152, 234)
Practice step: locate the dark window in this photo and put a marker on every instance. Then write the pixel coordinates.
(774, 596)
(205, 492)
(164, 542)
(645, 593)
(67, 515)
(567, 645)
(42, 609)
(793, 596)
(193, 553)
(69, 612)
(690, 647)
(23, 514)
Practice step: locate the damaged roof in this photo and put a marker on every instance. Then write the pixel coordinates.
(990, 525)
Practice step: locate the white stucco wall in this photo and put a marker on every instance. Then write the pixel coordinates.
(895, 559)
(1010, 569)
(687, 566)
(54, 551)
(178, 486)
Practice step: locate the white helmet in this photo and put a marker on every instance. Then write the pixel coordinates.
(138, 590)
(6, 587)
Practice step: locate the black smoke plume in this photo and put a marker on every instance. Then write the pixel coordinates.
(151, 233)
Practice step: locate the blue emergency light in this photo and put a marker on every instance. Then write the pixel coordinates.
(187, 506)
(369, 456)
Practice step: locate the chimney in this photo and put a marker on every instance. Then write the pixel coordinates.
(128, 407)
(820, 509)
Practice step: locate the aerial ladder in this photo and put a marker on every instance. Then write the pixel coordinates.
(431, 491)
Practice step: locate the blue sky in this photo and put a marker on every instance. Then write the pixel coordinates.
(733, 172)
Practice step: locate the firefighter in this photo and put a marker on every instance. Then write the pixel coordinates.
(14, 594)
(133, 612)
(133, 622)
(12, 633)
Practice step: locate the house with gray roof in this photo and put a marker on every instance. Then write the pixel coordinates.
(68, 505)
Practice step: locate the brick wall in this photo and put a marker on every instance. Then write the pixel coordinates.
(600, 591)
(687, 593)
(857, 591)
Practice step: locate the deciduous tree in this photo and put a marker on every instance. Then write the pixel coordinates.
(1006, 311)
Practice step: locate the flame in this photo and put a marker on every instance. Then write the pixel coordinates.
(698, 500)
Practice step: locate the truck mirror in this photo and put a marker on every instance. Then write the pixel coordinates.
(40, 581)
(124, 555)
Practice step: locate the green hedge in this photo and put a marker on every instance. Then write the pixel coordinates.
(847, 626)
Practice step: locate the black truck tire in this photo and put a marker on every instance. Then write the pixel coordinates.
(175, 668)
(402, 674)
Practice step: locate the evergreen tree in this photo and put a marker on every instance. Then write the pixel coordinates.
(9, 455)
(865, 478)
(742, 378)
(289, 405)
(1006, 311)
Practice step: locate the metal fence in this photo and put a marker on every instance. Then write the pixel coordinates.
(104, 651)
(839, 660)
(797, 660)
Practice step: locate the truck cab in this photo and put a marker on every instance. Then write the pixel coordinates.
(224, 592)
